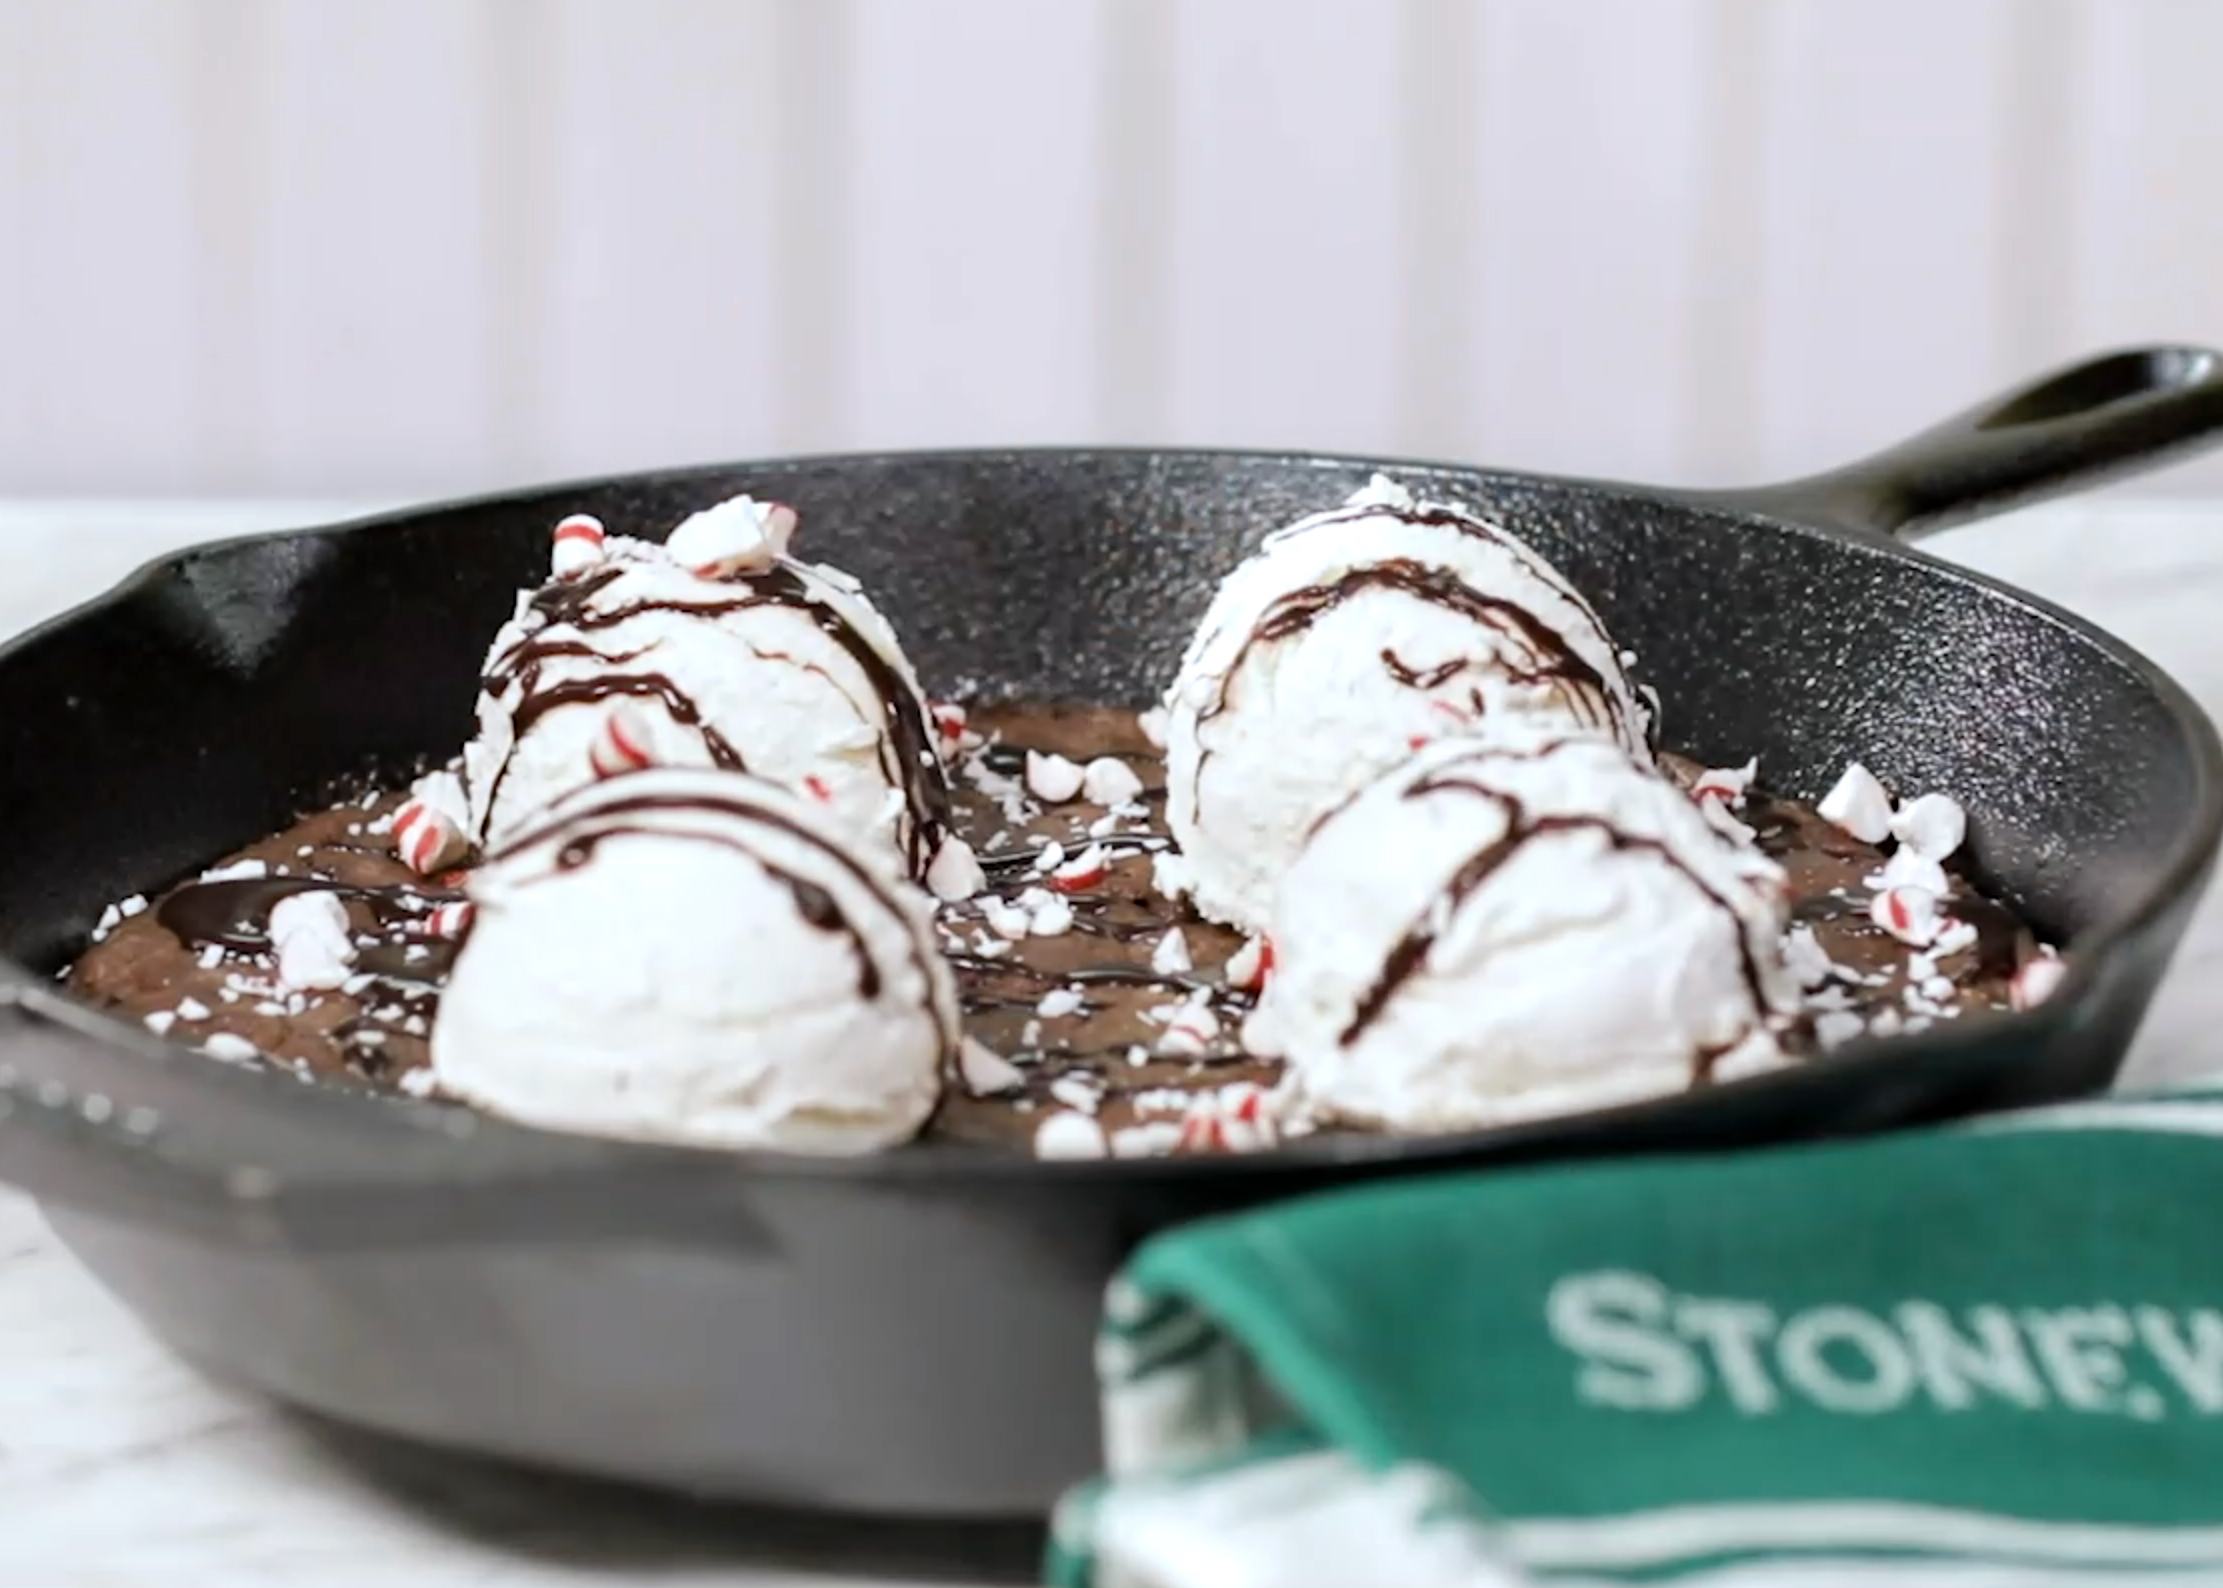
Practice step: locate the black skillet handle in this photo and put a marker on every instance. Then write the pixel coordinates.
(2116, 414)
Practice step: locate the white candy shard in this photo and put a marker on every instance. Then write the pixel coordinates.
(1153, 726)
(1053, 778)
(1067, 1134)
(1171, 956)
(1908, 914)
(741, 535)
(1956, 936)
(1107, 780)
(1858, 805)
(1005, 919)
(315, 949)
(1154, 1139)
(1169, 873)
(1837, 1028)
(985, 1072)
(578, 545)
(1910, 868)
(232, 1050)
(1059, 1002)
(1053, 919)
(2036, 980)
(1933, 826)
(954, 874)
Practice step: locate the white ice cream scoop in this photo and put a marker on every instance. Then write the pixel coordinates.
(701, 957)
(725, 654)
(1349, 638)
(1498, 932)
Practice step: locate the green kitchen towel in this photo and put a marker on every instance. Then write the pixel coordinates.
(1985, 1355)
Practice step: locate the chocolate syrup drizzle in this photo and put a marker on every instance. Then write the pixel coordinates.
(581, 833)
(907, 755)
(1411, 950)
(1554, 660)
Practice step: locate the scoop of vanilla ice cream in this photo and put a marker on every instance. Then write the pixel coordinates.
(700, 957)
(781, 669)
(1494, 932)
(1346, 640)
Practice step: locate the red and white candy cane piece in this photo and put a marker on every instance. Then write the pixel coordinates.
(1235, 1118)
(948, 718)
(622, 744)
(451, 920)
(1908, 914)
(1252, 964)
(2036, 981)
(1086, 869)
(426, 839)
(818, 788)
(1726, 784)
(1189, 1033)
(579, 544)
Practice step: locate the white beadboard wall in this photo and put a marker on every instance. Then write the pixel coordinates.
(394, 246)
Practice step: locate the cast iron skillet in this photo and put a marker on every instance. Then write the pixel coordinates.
(910, 1332)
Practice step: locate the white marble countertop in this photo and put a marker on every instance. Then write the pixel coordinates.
(118, 1466)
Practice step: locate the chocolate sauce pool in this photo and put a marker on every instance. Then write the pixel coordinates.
(201, 949)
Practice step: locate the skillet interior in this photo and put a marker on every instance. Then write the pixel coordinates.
(203, 706)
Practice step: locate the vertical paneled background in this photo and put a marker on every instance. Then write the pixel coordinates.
(384, 246)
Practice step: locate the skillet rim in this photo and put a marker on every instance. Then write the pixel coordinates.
(533, 1149)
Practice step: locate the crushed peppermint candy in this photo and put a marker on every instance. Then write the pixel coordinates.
(1190, 1030)
(1725, 785)
(1171, 956)
(193, 1009)
(1907, 913)
(2036, 980)
(1059, 1002)
(1071, 1135)
(954, 874)
(1858, 804)
(1006, 919)
(1053, 778)
(1153, 726)
(1251, 964)
(985, 1072)
(310, 933)
(231, 1049)
(1910, 868)
(1153, 1138)
(161, 1021)
(1169, 874)
(1077, 1092)
(1107, 780)
(1083, 871)
(1838, 1027)
(1934, 825)
(1053, 919)
(237, 871)
(1957, 936)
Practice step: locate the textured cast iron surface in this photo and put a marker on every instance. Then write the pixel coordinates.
(910, 1331)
